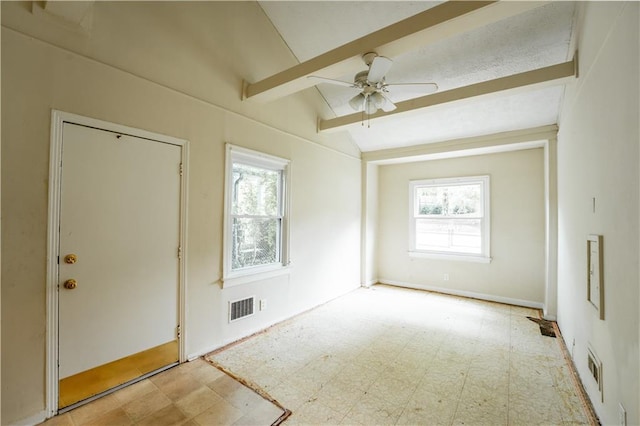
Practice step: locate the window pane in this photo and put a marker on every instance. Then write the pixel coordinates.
(464, 200)
(254, 242)
(453, 200)
(254, 190)
(449, 235)
(429, 200)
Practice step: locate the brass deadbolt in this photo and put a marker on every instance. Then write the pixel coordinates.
(70, 284)
(70, 259)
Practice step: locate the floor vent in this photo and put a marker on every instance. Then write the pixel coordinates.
(239, 309)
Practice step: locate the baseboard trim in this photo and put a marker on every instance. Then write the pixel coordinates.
(464, 293)
(370, 282)
(37, 418)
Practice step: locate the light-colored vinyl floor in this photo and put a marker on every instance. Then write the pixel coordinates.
(389, 356)
(192, 394)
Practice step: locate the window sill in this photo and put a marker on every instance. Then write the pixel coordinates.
(450, 256)
(250, 276)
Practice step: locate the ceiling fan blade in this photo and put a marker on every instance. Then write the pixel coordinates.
(332, 81)
(417, 89)
(379, 68)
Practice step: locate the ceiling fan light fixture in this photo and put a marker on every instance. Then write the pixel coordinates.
(357, 101)
(378, 100)
(370, 105)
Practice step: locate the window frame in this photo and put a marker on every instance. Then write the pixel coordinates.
(485, 255)
(237, 154)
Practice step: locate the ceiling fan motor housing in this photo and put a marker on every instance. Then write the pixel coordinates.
(369, 57)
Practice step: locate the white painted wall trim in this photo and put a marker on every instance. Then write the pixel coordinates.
(455, 148)
(550, 310)
(58, 118)
(464, 293)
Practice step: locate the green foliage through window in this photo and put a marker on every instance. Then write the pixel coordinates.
(257, 219)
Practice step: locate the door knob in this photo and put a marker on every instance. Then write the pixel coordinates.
(70, 284)
(70, 259)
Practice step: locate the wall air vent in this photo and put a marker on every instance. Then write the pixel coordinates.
(595, 368)
(243, 308)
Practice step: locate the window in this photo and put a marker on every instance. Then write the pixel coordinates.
(255, 215)
(450, 218)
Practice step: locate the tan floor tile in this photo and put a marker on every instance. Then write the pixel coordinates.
(180, 386)
(167, 376)
(245, 398)
(225, 385)
(260, 413)
(115, 417)
(61, 420)
(205, 372)
(221, 413)
(135, 391)
(198, 401)
(84, 414)
(167, 416)
(146, 405)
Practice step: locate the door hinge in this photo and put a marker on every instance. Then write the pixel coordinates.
(178, 333)
(179, 252)
(181, 169)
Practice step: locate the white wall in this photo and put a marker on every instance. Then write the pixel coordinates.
(598, 157)
(517, 271)
(176, 69)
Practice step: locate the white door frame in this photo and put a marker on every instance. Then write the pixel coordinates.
(58, 118)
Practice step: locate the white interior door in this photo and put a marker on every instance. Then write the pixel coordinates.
(120, 215)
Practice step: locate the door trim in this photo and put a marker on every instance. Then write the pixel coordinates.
(58, 118)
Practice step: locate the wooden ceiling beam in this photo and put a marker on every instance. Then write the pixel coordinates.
(443, 21)
(529, 80)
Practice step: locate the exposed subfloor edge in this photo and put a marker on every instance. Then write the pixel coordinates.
(582, 393)
(254, 387)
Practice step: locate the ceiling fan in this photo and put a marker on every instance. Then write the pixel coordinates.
(374, 90)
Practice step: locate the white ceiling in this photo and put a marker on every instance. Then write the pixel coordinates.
(528, 41)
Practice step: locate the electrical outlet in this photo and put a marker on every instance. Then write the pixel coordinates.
(622, 415)
(263, 304)
(446, 277)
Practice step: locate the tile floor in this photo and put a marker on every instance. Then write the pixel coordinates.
(378, 356)
(389, 356)
(194, 393)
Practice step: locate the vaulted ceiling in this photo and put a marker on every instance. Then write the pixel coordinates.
(499, 66)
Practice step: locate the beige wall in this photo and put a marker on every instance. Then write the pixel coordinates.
(517, 270)
(598, 158)
(174, 69)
